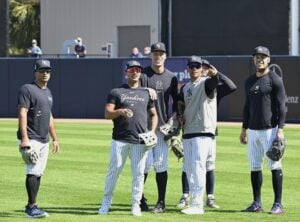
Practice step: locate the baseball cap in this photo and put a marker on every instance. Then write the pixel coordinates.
(133, 63)
(261, 50)
(194, 59)
(205, 63)
(34, 41)
(42, 64)
(159, 46)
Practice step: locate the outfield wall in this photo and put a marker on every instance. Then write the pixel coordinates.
(80, 86)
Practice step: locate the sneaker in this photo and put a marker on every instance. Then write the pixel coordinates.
(136, 210)
(103, 210)
(144, 205)
(193, 210)
(277, 208)
(183, 202)
(210, 202)
(255, 207)
(35, 212)
(159, 207)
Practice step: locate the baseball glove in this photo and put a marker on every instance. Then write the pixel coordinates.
(176, 147)
(169, 129)
(29, 154)
(277, 149)
(149, 138)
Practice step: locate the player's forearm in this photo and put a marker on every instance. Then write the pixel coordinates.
(112, 114)
(154, 119)
(23, 124)
(52, 130)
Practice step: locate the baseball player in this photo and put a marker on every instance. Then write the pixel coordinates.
(263, 118)
(198, 104)
(35, 124)
(164, 82)
(128, 107)
(225, 87)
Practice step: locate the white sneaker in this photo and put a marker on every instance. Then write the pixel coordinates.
(136, 210)
(183, 202)
(103, 210)
(193, 210)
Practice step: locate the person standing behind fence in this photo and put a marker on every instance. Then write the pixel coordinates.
(34, 50)
(135, 53)
(80, 48)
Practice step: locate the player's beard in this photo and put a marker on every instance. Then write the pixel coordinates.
(261, 70)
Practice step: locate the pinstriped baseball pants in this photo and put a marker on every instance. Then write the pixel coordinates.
(259, 142)
(158, 156)
(118, 155)
(194, 164)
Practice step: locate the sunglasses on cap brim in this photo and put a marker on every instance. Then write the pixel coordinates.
(134, 69)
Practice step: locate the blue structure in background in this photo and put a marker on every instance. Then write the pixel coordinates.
(80, 86)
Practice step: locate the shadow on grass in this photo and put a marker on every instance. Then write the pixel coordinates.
(8, 214)
(90, 209)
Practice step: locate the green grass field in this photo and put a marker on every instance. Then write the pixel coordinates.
(74, 180)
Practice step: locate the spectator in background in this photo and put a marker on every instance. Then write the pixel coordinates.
(34, 50)
(147, 51)
(80, 48)
(135, 53)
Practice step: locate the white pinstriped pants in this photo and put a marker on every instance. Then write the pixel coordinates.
(259, 142)
(194, 164)
(158, 156)
(118, 155)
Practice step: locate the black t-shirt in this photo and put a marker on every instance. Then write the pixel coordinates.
(265, 102)
(79, 49)
(165, 85)
(39, 104)
(138, 100)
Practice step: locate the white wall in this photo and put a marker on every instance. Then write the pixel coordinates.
(95, 21)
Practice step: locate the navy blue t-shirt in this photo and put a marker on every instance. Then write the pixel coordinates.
(138, 100)
(165, 85)
(39, 104)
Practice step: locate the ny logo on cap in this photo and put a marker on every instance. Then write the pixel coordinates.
(260, 49)
(158, 45)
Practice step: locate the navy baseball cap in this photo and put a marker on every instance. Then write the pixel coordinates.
(194, 59)
(42, 64)
(205, 63)
(261, 50)
(133, 63)
(159, 46)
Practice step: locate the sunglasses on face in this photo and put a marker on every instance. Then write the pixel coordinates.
(48, 71)
(134, 70)
(194, 66)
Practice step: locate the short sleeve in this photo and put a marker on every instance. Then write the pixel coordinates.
(24, 97)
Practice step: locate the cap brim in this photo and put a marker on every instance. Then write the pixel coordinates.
(133, 66)
(260, 54)
(158, 50)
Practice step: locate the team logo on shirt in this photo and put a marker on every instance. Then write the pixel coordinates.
(39, 113)
(256, 89)
(159, 85)
(125, 97)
